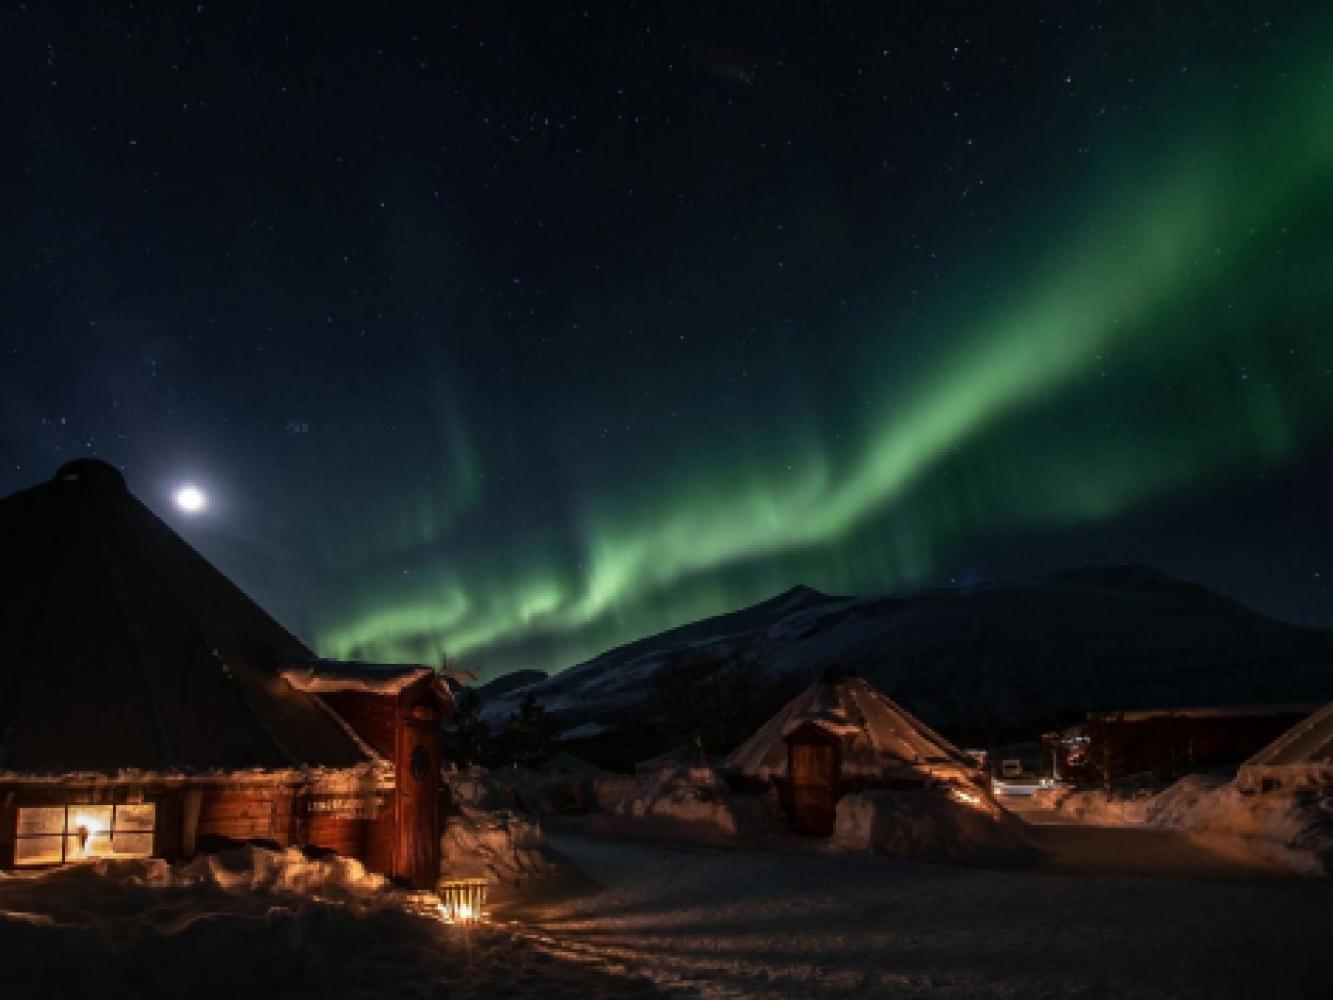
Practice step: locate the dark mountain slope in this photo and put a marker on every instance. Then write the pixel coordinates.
(1001, 659)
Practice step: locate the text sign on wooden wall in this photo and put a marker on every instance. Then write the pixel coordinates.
(353, 805)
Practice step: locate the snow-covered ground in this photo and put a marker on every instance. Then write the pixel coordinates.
(1290, 830)
(1106, 912)
(255, 923)
(1158, 917)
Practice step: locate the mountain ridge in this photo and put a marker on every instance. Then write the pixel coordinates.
(1000, 657)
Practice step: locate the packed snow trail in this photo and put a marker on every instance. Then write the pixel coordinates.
(1084, 848)
(739, 924)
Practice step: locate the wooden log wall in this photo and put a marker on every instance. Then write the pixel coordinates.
(255, 813)
(233, 812)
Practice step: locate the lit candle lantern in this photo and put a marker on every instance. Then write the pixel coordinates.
(462, 900)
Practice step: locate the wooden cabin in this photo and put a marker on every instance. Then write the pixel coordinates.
(149, 707)
(1168, 742)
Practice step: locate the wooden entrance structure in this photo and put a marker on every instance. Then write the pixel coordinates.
(814, 762)
(399, 717)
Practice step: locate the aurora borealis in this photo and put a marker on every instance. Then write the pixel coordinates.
(519, 337)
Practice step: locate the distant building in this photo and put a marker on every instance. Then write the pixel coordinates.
(1164, 743)
(149, 707)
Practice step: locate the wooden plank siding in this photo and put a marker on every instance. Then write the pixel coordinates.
(374, 717)
(248, 814)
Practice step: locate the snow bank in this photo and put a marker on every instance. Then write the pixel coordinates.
(1123, 807)
(1291, 830)
(481, 789)
(565, 786)
(956, 822)
(257, 869)
(696, 804)
(506, 847)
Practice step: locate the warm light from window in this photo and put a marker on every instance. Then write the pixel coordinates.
(47, 835)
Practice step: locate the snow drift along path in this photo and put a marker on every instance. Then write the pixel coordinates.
(737, 924)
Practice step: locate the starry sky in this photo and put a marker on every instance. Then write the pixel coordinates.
(518, 331)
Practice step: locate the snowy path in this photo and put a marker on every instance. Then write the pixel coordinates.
(1086, 848)
(732, 924)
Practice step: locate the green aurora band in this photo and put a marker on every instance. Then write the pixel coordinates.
(1173, 337)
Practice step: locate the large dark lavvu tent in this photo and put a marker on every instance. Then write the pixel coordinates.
(147, 703)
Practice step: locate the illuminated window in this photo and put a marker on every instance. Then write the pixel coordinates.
(55, 834)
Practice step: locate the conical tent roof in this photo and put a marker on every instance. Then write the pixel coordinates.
(126, 650)
(1303, 755)
(879, 739)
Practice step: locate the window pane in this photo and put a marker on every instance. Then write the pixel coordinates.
(132, 845)
(88, 833)
(138, 816)
(41, 820)
(37, 850)
(94, 845)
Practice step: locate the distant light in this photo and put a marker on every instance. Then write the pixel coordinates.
(191, 499)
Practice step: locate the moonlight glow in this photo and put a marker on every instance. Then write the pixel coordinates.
(191, 499)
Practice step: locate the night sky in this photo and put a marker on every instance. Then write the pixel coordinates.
(519, 330)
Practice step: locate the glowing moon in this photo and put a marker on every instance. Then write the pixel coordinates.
(191, 499)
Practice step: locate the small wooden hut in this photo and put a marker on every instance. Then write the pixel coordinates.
(841, 735)
(149, 707)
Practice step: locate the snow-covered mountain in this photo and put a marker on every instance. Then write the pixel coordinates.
(1007, 657)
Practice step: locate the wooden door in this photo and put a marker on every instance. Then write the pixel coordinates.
(417, 798)
(813, 771)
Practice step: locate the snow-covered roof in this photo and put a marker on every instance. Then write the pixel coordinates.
(125, 649)
(879, 738)
(328, 676)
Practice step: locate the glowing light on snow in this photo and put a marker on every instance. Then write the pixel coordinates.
(461, 913)
(191, 499)
(965, 797)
